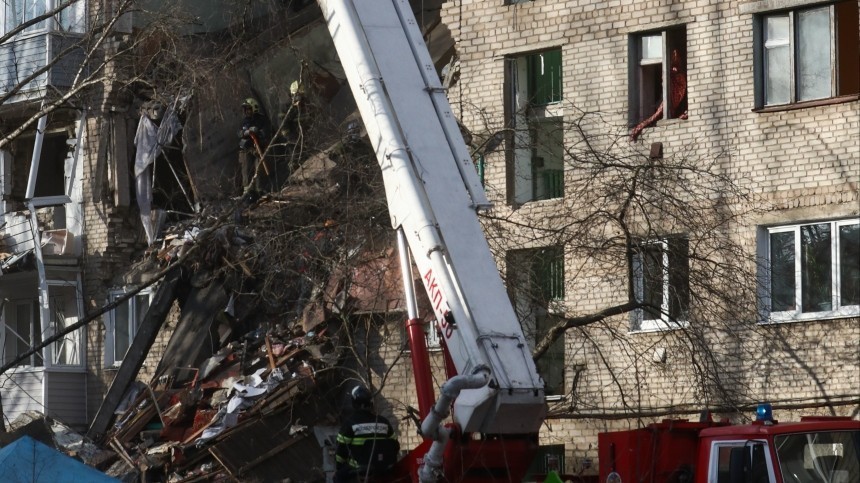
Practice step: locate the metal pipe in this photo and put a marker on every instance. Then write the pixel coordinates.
(415, 330)
(37, 154)
(406, 274)
(432, 427)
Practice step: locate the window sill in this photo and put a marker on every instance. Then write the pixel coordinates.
(789, 317)
(808, 104)
(651, 326)
(669, 122)
(26, 369)
(67, 369)
(528, 203)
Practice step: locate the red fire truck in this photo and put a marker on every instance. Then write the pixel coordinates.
(813, 450)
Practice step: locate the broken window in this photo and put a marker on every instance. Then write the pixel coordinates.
(654, 58)
(65, 306)
(807, 54)
(535, 89)
(661, 280)
(23, 330)
(51, 179)
(536, 282)
(122, 324)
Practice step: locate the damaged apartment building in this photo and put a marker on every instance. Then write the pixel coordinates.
(80, 231)
(73, 217)
(564, 103)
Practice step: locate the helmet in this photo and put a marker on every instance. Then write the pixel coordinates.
(297, 88)
(361, 397)
(252, 103)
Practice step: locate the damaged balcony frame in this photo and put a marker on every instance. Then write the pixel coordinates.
(45, 377)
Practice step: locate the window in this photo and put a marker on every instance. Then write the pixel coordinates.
(814, 270)
(16, 12)
(65, 304)
(73, 18)
(760, 469)
(23, 330)
(123, 322)
(807, 54)
(536, 282)
(535, 88)
(656, 56)
(661, 279)
(826, 456)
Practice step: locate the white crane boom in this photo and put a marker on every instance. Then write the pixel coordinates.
(433, 194)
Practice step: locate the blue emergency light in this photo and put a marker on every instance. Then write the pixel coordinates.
(764, 412)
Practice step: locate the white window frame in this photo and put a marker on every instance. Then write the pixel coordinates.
(110, 357)
(639, 322)
(838, 311)
(73, 343)
(13, 305)
(714, 457)
(77, 12)
(761, 46)
(5, 180)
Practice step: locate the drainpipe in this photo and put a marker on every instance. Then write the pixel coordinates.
(432, 427)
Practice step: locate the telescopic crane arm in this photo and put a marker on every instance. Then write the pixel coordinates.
(433, 194)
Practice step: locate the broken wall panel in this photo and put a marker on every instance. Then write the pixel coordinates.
(133, 360)
(280, 444)
(190, 343)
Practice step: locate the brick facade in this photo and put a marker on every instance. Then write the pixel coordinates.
(803, 164)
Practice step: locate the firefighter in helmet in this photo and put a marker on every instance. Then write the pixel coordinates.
(366, 443)
(252, 143)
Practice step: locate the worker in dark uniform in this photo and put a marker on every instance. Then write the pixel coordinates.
(366, 444)
(252, 142)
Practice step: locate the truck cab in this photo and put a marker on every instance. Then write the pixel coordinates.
(812, 450)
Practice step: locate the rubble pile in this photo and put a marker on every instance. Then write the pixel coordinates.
(247, 387)
(243, 407)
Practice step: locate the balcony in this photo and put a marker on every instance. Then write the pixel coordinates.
(50, 43)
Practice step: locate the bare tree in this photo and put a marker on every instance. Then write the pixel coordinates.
(636, 239)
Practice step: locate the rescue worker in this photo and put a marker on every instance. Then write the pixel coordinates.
(293, 114)
(252, 142)
(366, 444)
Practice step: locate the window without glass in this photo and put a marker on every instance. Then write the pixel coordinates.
(661, 271)
(535, 90)
(64, 308)
(807, 54)
(655, 57)
(123, 322)
(814, 270)
(536, 281)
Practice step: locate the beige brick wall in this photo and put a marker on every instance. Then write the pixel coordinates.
(110, 242)
(805, 163)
